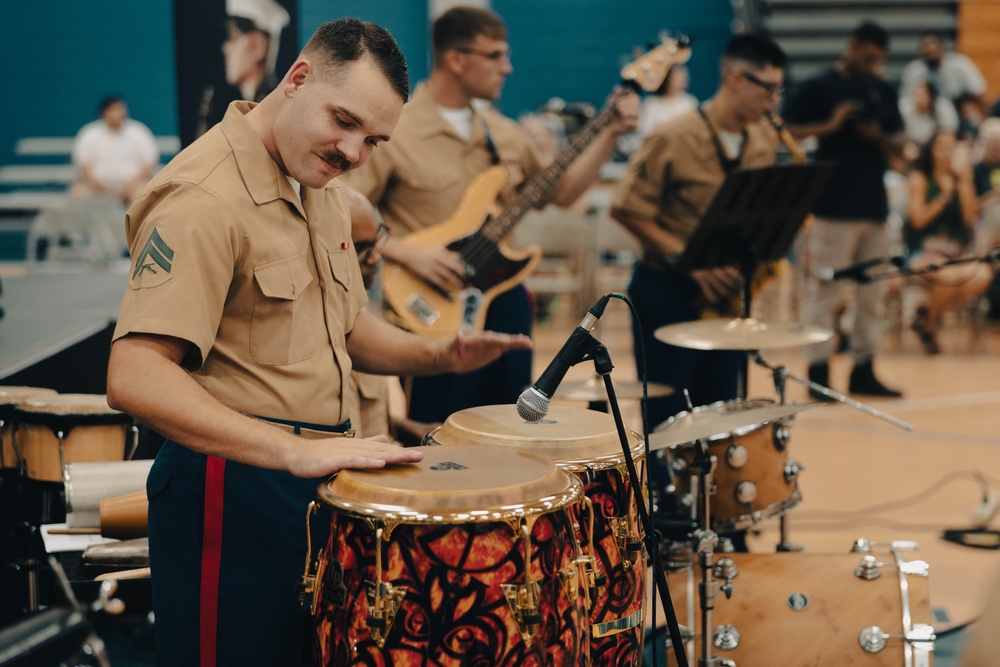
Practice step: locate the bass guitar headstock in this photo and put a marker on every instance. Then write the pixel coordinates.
(648, 71)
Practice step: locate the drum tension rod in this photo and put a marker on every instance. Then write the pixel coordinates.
(384, 599)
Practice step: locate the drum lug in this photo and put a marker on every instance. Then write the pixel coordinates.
(568, 578)
(629, 549)
(868, 569)
(921, 637)
(522, 600)
(745, 493)
(737, 456)
(781, 435)
(872, 639)
(310, 576)
(384, 601)
(862, 545)
(792, 470)
(726, 637)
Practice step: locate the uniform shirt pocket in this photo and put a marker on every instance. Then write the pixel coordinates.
(282, 328)
(343, 266)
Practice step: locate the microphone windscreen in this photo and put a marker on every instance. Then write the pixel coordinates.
(532, 405)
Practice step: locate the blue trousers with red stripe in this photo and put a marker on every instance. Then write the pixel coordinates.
(227, 546)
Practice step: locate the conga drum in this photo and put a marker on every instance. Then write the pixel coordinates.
(468, 557)
(10, 399)
(52, 431)
(584, 443)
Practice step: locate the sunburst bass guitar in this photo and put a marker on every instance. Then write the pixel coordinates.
(478, 228)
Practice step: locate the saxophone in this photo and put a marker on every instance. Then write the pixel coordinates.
(733, 307)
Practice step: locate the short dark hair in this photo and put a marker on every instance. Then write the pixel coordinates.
(107, 101)
(757, 50)
(336, 43)
(459, 26)
(869, 32)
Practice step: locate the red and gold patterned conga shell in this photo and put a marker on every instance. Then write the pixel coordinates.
(585, 443)
(442, 542)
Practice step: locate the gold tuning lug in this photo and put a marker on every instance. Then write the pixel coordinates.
(311, 577)
(523, 599)
(384, 599)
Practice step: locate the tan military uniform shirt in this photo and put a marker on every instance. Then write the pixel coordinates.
(373, 395)
(417, 180)
(265, 285)
(675, 175)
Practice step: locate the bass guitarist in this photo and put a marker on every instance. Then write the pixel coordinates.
(442, 142)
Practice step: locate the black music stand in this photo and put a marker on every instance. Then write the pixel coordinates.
(753, 219)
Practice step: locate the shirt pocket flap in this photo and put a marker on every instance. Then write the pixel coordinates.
(284, 279)
(343, 265)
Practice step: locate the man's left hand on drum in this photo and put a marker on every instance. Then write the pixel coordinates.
(317, 458)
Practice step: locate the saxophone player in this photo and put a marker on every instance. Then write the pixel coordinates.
(669, 186)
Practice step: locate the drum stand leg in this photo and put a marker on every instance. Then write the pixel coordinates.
(603, 365)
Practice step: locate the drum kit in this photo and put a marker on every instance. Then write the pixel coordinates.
(520, 542)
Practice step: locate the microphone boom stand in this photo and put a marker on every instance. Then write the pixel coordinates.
(602, 364)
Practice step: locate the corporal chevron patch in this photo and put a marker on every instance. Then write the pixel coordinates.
(153, 263)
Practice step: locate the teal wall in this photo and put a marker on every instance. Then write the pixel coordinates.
(59, 57)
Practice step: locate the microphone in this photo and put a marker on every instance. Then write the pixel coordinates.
(857, 270)
(533, 403)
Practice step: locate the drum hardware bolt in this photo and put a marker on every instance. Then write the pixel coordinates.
(906, 545)
(567, 577)
(678, 466)
(307, 586)
(725, 546)
(737, 456)
(792, 470)
(105, 602)
(872, 639)
(706, 541)
(726, 637)
(868, 569)
(781, 435)
(745, 493)
(862, 545)
(384, 601)
(726, 569)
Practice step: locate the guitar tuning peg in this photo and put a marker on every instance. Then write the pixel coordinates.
(650, 45)
(664, 35)
(636, 52)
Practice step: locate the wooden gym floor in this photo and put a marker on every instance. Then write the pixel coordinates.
(865, 477)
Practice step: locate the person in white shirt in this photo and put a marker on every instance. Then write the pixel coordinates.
(952, 73)
(926, 113)
(114, 155)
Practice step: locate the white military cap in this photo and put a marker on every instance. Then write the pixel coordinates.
(267, 15)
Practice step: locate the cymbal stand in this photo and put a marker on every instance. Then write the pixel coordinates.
(826, 391)
(778, 374)
(603, 366)
(705, 541)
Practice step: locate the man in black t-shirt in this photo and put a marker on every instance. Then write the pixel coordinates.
(855, 116)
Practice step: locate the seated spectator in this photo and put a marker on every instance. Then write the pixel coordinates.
(114, 155)
(971, 113)
(669, 100)
(942, 211)
(953, 74)
(987, 176)
(925, 113)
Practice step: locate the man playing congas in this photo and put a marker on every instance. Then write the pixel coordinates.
(236, 338)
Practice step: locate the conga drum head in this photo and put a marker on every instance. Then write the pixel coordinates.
(69, 404)
(572, 437)
(452, 485)
(12, 398)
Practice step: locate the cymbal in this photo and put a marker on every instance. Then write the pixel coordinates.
(593, 389)
(741, 334)
(706, 423)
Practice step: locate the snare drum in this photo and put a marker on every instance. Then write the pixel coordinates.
(826, 609)
(52, 431)
(467, 557)
(10, 399)
(754, 478)
(585, 443)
